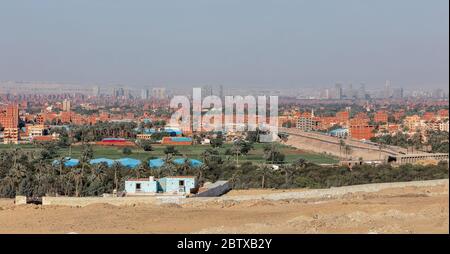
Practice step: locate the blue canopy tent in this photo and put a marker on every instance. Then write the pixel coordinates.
(156, 163)
(129, 162)
(68, 162)
(195, 163)
(109, 162)
(192, 162)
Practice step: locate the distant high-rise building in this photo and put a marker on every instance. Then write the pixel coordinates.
(96, 91)
(9, 118)
(127, 94)
(144, 94)
(207, 91)
(350, 93)
(361, 94)
(118, 93)
(221, 95)
(338, 91)
(387, 89)
(325, 94)
(159, 93)
(397, 93)
(438, 94)
(66, 105)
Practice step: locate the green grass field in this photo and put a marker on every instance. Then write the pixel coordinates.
(194, 151)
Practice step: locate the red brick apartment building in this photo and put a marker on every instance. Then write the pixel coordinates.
(398, 115)
(360, 129)
(428, 116)
(381, 117)
(66, 117)
(9, 119)
(361, 132)
(343, 116)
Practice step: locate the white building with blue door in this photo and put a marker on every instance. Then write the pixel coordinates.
(169, 185)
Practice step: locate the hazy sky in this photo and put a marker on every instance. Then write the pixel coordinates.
(278, 43)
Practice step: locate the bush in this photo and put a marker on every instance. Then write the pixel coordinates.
(127, 151)
(146, 145)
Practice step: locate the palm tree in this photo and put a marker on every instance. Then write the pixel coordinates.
(236, 150)
(201, 170)
(96, 179)
(269, 152)
(341, 145)
(186, 166)
(381, 146)
(235, 177)
(264, 171)
(169, 169)
(98, 172)
(348, 151)
(44, 176)
(302, 163)
(288, 174)
(116, 167)
(75, 176)
(16, 174)
(86, 155)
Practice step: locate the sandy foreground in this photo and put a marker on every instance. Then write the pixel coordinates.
(412, 209)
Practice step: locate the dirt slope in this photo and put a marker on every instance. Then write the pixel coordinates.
(396, 210)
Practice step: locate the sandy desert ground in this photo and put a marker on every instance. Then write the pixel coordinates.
(414, 209)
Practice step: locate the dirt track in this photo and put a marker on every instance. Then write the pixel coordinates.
(396, 210)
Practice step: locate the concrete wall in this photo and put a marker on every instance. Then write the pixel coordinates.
(322, 143)
(320, 146)
(20, 200)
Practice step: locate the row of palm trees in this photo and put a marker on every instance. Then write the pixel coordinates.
(28, 173)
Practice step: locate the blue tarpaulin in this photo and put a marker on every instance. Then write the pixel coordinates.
(192, 162)
(109, 162)
(129, 162)
(156, 163)
(68, 162)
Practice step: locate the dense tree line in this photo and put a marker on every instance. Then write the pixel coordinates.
(33, 173)
(436, 140)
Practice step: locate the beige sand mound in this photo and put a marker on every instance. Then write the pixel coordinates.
(412, 209)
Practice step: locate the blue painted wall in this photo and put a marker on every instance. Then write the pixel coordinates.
(146, 186)
(166, 184)
(172, 184)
